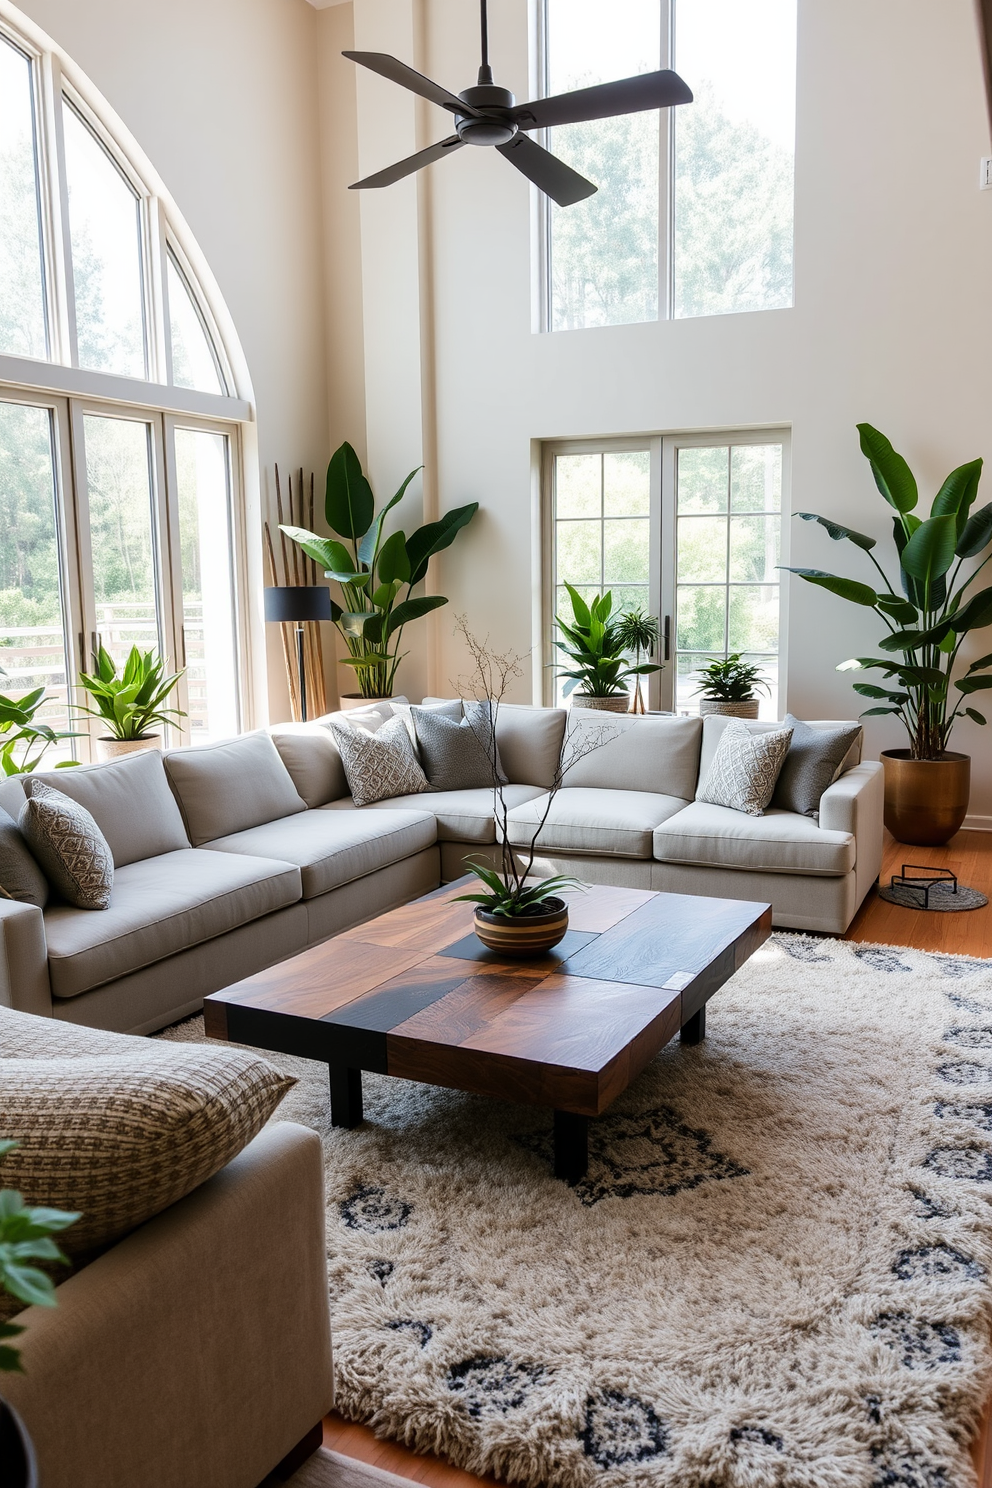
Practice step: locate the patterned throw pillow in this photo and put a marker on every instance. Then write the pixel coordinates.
(20, 876)
(121, 1136)
(745, 768)
(458, 755)
(378, 765)
(814, 757)
(68, 844)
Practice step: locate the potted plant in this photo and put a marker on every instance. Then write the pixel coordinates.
(599, 668)
(373, 570)
(517, 915)
(130, 704)
(23, 741)
(927, 619)
(25, 1236)
(730, 687)
(637, 631)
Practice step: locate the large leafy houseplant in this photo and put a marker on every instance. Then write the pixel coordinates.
(377, 574)
(596, 647)
(132, 704)
(23, 740)
(934, 609)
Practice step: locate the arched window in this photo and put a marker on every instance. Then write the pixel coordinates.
(122, 406)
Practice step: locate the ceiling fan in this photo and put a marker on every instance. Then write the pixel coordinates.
(490, 115)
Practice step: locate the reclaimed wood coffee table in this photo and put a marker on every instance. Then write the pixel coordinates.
(415, 994)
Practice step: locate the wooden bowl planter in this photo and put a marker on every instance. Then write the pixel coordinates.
(523, 935)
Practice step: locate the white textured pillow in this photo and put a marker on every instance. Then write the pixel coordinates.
(69, 846)
(745, 768)
(379, 765)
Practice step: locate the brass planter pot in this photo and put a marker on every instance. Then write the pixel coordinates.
(925, 800)
(523, 935)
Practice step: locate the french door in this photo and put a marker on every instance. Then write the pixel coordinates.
(119, 529)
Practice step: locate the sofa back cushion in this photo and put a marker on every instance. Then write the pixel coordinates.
(229, 787)
(130, 801)
(313, 760)
(529, 741)
(624, 752)
(715, 723)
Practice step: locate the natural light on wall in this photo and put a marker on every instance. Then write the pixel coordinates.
(694, 213)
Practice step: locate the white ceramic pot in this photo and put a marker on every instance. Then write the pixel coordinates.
(729, 710)
(351, 700)
(620, 704)
(111, 749)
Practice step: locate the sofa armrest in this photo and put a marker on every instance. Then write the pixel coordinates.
(24, 983)
(197, 1350)
(854, 804)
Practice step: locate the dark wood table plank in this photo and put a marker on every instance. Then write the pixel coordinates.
(590, 910)
(318, 981)
(664, 940)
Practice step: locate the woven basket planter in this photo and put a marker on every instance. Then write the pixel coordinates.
(729, 710)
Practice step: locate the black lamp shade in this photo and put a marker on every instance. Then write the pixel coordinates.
(298, 602)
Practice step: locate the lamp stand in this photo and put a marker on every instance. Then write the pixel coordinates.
(301, 664)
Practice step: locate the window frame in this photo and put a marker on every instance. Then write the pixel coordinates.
(662, 586)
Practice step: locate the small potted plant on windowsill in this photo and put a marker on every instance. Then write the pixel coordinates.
(730, 687)
(130, 704)
(596, 647)
(25, 1236)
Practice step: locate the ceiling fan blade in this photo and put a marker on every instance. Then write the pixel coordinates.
(398, 72)
(650, 90)
(412, 163)
(553, 176)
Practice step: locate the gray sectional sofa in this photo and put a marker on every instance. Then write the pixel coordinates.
(230, 857)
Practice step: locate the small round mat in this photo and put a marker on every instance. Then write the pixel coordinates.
(941, 897)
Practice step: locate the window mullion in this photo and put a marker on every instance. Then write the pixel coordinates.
(157, 292)
(55, 212)
(170, 559)
(76, 495)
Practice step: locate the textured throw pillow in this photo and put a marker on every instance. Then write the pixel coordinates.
(811, 764)
(379, 765)
(745, 768)
(69, 846)
(458, 755)
(120, 1136)
(20, 876)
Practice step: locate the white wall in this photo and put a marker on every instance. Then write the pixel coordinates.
(222, 97)
(892, 322)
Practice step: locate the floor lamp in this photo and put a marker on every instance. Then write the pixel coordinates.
(295, 604)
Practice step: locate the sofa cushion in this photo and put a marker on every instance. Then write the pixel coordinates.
(778, 842)
(20, 876)
(745, 768)
(161, 906)
(585, 820)
(715, 723)
(334, 847)
(120, 1134)
(381, 763)
(812, 764)
(70, 847)
(313, 760)
(461, 816)
(659, 756)
(528, 740)
(229, 787)
(458, 754)
(130, 801)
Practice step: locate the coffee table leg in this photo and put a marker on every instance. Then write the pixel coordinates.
(571, 1146)
(694, 1031)
(346, 1095)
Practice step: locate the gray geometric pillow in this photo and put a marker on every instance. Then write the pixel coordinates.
(73, 852)
(458, 755)
(378, 765)
(813, 760)
(20, 876)
(745, 768)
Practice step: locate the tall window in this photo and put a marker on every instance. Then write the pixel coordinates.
(694, 212)
(119, 482)
(688, 529)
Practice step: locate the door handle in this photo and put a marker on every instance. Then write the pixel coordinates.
(667, 638)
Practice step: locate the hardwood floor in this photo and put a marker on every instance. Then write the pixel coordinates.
(969, 855)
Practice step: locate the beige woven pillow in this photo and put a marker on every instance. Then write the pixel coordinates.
(745, 768)
(69, 846)
(121, 1136)
(379, 765)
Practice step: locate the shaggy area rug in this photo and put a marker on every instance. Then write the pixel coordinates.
(777, 1274)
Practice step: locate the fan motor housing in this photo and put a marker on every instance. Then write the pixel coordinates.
(497, 128)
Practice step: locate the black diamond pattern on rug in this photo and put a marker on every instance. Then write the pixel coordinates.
(373, 1209)
(917, 1343)
(906, 1469)
(653, 1153)
(936, 1261)
(961, 1162)
(488, 1385)
(621, 1428)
